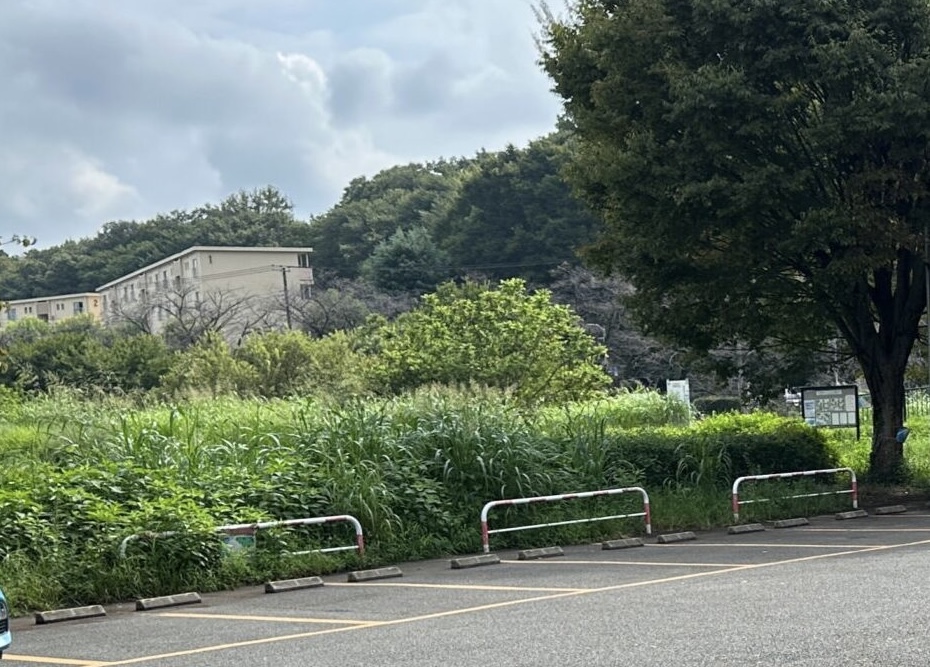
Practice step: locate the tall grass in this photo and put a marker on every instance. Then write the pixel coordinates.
(78, 475)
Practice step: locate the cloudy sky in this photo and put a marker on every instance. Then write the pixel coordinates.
(119, 109)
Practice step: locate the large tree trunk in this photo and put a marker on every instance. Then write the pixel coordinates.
(881, 328)
(887, 388)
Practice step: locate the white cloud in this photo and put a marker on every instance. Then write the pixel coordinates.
(112, 109)
(98, 193)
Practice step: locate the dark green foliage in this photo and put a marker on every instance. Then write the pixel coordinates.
(409, 261)
(139, 362)
(514, 215)
(718, 450)
(712, 405)
(497, 215)
(761, 171)
(373, 210)
(80, 353)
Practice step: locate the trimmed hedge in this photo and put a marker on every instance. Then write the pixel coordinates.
(719, 449)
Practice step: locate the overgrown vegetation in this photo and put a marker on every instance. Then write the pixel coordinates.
(410, 425)
(77, 476)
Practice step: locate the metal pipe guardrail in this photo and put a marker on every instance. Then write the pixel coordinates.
(252, 528)
(486, 533)
(853, 490)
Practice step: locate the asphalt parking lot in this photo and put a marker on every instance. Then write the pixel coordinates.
(832, 593)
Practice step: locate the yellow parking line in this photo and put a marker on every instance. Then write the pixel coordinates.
(561, 561)
(464, 587)
(53, 661)
(768, 545)
(264, 619)
(222, 647)
(508, 603)
(865, 530)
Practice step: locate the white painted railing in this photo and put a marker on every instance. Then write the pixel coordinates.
(853, 489)
(486, 533)
(252, 528)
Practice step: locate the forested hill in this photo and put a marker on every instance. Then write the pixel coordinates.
(262, 217)
(405, 229)
(499, 214)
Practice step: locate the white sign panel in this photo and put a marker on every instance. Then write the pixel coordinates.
(680, 389)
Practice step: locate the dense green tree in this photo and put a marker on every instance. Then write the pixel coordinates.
(138, 362)
(505, 337)
(79, 352)
(279, 361)
(207, 366)
(409, 261)
(514, 215)
(761, 168)
(372, 210)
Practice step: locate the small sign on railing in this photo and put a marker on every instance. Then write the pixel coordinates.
(242, 535)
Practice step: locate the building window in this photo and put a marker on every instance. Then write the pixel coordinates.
(305, 290)
(164, 279)
(303, 260)
(78, 307)
(195, 267)
(11, 314)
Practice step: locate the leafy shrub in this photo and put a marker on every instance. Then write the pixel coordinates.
(505, 338)
(717, 450)
(762, 443)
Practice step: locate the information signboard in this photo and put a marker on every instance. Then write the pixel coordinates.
(680, 389)
(831, 407)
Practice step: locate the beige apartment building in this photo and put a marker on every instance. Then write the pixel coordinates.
(228, 284)
(52, 308)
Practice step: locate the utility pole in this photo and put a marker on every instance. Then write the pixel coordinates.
(287, 297)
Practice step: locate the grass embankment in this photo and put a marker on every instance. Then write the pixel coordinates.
(77, 477)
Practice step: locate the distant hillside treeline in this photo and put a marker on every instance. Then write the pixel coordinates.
(406, 229)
